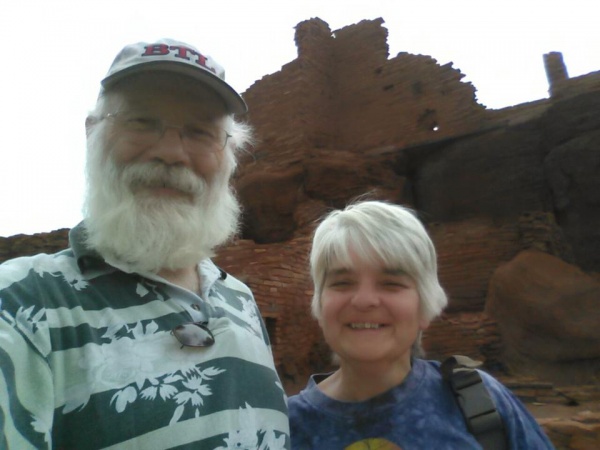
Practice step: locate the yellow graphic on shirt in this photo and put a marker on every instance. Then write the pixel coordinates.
(373, 444)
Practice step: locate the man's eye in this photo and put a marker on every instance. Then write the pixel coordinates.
(142, 123)
(199, 132)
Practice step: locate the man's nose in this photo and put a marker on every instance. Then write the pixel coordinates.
(170, 147)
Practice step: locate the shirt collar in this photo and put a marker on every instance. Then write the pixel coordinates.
(87, 258)
(209, 274)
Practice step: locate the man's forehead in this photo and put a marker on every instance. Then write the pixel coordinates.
(166, 80)
(162, 80)
(165, 90)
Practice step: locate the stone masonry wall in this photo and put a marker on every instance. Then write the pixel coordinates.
(278, 277)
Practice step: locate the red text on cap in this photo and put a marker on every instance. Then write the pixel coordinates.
(181, 52)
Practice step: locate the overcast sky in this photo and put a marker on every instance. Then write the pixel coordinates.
(55, 52)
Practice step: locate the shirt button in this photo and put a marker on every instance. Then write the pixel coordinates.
(196, 307)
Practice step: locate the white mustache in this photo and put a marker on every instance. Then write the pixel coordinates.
(157, 174)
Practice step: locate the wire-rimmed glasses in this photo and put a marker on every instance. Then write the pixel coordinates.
(146, 130)
(193, 334)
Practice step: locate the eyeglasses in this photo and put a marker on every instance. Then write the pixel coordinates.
(146, 130)
(193, 334)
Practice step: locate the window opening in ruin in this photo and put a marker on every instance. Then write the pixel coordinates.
(428, 120)
(417, 88)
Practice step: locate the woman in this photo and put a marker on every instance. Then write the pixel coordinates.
(375, 291)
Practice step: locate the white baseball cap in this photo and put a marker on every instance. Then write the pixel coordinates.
(167, 55)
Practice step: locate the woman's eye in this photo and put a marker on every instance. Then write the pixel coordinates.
(340, 283)
(395, 284)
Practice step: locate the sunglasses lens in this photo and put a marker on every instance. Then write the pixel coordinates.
(194, 335)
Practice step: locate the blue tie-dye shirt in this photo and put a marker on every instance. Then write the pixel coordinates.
(419, 414)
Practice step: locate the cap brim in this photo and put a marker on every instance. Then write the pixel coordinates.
(233, 101)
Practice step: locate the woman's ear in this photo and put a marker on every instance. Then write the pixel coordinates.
(320, 322)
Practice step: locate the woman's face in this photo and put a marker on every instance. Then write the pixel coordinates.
(370, 314)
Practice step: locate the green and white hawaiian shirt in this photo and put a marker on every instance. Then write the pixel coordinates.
(88, 361)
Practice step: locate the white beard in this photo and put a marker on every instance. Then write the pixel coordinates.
(149, 233)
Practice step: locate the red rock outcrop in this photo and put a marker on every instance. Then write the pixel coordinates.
(548, 316)
(573, 172)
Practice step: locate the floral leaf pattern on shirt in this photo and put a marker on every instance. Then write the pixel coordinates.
(251, 435)
(145, 287)
(249, 308)
(186, 390)
(43, 425)
(123, 397)
(29, 323)
(132, 359)
(60, 265)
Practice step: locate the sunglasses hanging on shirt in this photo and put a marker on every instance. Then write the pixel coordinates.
(193, 334)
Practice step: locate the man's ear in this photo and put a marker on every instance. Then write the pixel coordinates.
(90, 122)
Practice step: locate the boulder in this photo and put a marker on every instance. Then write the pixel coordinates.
(547, 311)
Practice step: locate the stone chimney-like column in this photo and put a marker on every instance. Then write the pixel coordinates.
(556, 71)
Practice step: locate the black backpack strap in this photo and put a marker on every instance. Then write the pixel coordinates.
(476, 405)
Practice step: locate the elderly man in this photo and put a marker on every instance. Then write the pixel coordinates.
(132, 337)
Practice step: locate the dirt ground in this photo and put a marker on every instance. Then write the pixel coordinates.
(549, 411)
